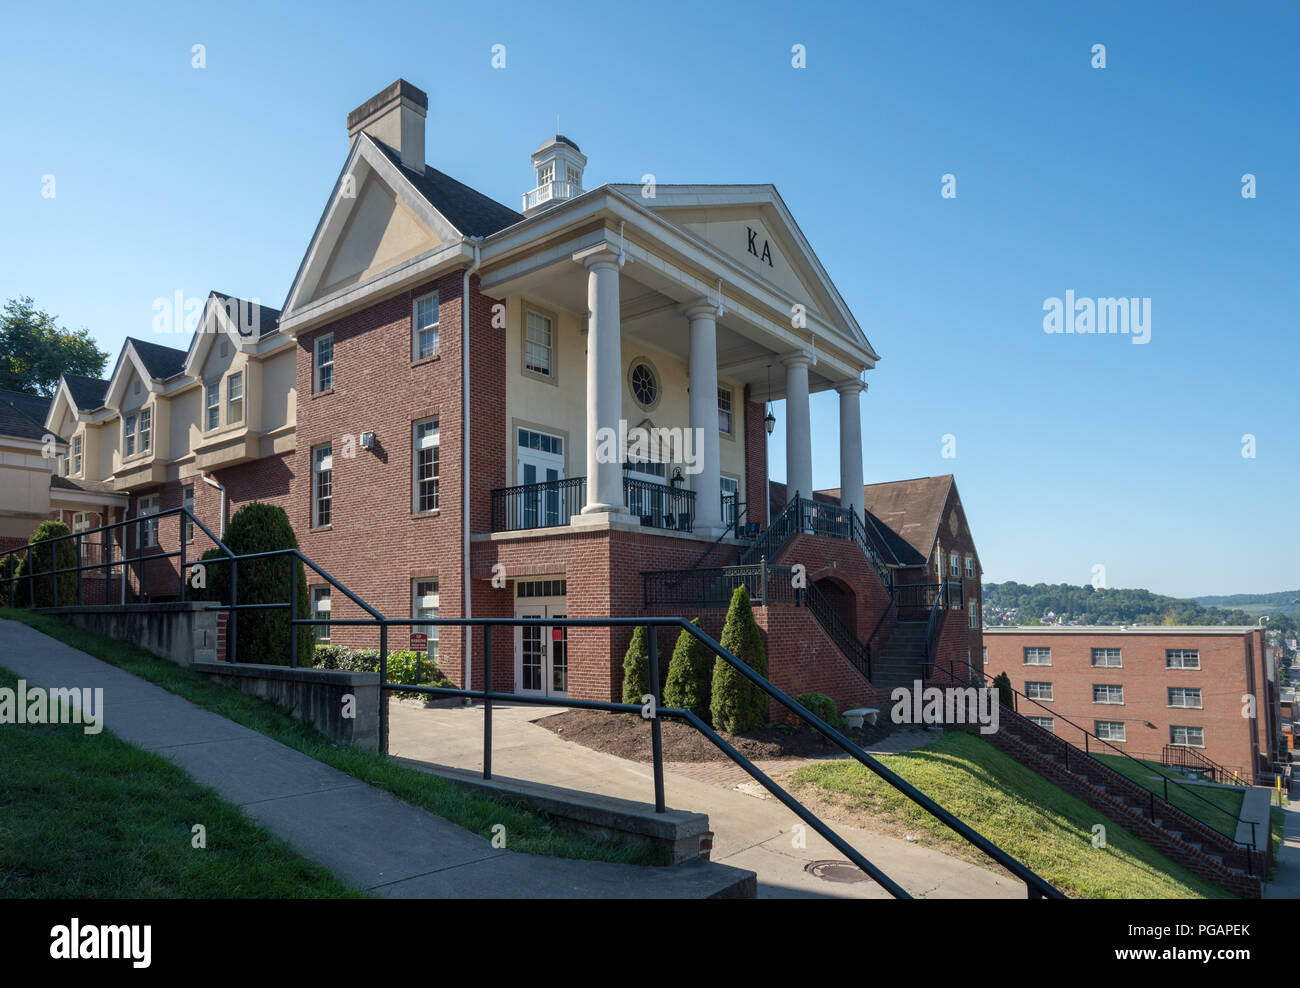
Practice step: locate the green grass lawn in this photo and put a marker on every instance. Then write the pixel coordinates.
(1218, 808)
(1014, 807)
(530, 831)
(90, 816)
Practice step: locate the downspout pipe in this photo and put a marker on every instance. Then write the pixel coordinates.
(221, 529)
(464, 470)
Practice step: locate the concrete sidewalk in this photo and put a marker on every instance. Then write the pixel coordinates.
(752, 831)
(1286, 867)
(367, 837)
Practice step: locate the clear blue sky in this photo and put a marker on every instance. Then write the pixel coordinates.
(1123, 181)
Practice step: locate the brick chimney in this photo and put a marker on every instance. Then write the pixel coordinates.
(395, 117)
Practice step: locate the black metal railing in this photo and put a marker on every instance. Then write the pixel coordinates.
(660, 505)
(916, 601)
(714, 587)
(932, 626)
(544, 505)
(1036, 886)
(773, 537)
(1189, 759)
(837, 629)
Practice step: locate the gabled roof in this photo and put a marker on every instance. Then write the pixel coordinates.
(33, 406)
(87, 393)
(471, 212)
(231, 315)
(911, 508)
(160, 361)
(17, 423)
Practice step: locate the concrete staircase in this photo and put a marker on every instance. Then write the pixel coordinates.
(899, 663)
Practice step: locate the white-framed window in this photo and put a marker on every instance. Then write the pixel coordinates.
(1107, 693)
(322, 485)
(75, 466)
(1038, 656)
(1182, 658)
(1107, 658)
(212, 405)
(724, 411)
(128, 435)
(974, 609)
(146, 429)
(1046, 723)
(539, 343)
(546, 174)
(1109, 730)
(81, 522)
(1188, 737)
(323, 363)
(1185, 696)
(187, 501)
(424, 461)
(424, 604)
(954, 565)
(730, 499)
(1038, 691)
(424, 326)
(970, 567)
(148, 530)
(986, 655)
(320, 610)
(235, 398)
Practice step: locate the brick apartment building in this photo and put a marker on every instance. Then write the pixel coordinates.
(1210, 691)
(468, 410)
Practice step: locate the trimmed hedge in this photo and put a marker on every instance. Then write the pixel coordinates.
(35, 590)
(689, 675)
(636, 667)
(403, 666)
(821, 706)
(738, 705)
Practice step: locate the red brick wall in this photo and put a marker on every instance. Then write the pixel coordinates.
(755, 462)
(1222, 679)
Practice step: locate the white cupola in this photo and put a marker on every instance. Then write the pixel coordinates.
(557, 167)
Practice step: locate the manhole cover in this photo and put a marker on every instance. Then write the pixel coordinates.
(836, 871)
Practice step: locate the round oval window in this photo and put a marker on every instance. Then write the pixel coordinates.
(645, 387)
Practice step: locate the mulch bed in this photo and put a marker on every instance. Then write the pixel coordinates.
(628, 736)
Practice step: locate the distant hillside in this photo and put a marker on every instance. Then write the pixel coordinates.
(1020, 603)
(1284, 602)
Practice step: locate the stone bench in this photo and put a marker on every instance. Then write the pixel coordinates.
(858, 715)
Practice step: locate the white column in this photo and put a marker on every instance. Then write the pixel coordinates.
(707, 484)
(798, 428)
(604, 382)
(851, 444)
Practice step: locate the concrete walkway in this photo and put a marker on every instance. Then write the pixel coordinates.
(752, 831)
(367, 837)
(1286, 867)
(1255, 804)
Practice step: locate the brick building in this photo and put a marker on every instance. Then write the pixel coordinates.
(472, 411)
(1169, 694)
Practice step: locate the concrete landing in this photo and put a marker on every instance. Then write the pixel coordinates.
(364, 835)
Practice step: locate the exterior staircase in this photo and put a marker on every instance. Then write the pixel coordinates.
(902, 661)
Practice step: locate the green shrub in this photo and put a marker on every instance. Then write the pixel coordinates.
(689, 675)
(821, 705)
(403, 666)
(737, 704)
(7, 565)
(261, 636)
(34, 589)
(636, 667)
(1005, 691)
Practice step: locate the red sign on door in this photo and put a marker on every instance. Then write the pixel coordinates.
(419, 642)
(557, 634)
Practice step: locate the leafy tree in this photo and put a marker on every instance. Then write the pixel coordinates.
(737, 704)
(35, 350)
(636, 667)
(1006, 692)
(689, 675)
(261, 636)
(34, 589)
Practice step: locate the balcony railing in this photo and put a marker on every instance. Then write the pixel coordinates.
(550, 191)
(544, 505)
(660, 505)
(714, 587)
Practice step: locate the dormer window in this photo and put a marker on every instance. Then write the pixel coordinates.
(146, 430)
(235, 398)
(76, 455)
(128, 435)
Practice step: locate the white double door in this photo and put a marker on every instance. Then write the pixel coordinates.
(541, 507)
(541, 651)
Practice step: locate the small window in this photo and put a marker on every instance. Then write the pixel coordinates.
(1038, 656)
(974, 615)
(323, 364)
(954, 565)
(187, 502)
(212, 403)
(425, 462)
(425, 326)
(1107, 658)
(1046, 723)
(322, 488)
(1182, 658)
(320, 610)
(146, 429)
(424, 604)
(128, 435)
(539, 344)
(144, 507)
(235, 398)
(970, 567)
(986, 655)
(1185, 696)
(76, 455)
(1039, 691)
(546, 174)
(1107, 693)
(724, 411)
(1109, 730)
(1188, 737)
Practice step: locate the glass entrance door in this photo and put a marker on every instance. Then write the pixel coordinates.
(541, 652)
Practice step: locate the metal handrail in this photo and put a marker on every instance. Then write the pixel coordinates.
(671, 507)
(837, 629)
(541, 505)
(931, 625)
(1181, 756)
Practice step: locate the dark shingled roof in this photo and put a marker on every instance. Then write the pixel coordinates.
(471, 213)
(161, 362)
(268, 318)
(911, 508)
(87, 392)
(33, 406)
(91, 486)
(17, 423)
